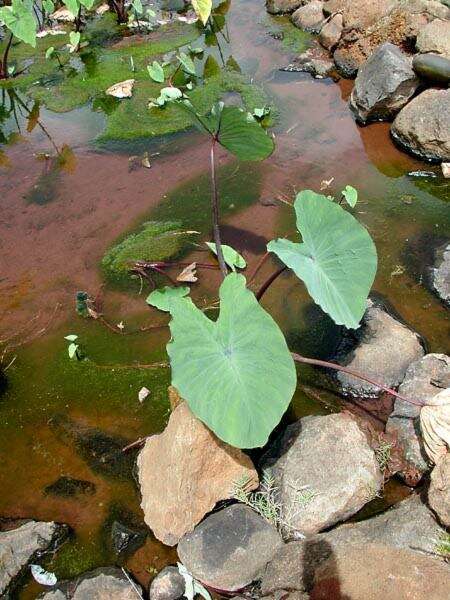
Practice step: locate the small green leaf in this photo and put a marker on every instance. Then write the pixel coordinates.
(156, 72)
(48, 6)
(137, 7)
(49, 52)
(203, 9)
(171, 93)
(187, 63)
(211, 67)
(71, 338)
(231, 256)
(337, 259)
(243, 136)
(351, 195)
(74, 38)
(72, 350)
(163, 298)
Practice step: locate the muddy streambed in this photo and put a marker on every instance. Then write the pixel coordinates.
(59, 418)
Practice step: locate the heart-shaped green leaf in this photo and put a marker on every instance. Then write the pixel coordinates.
(187, 63)
(350, 195)
(236, 373)
(19, 19)
(203, 9)
(231, 256)
(162, 298)
(243, 136)
(337, 259)
(156, 72)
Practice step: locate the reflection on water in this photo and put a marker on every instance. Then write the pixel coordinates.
(64, 202)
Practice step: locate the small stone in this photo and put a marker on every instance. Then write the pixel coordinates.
(432, 67)
(125, 539)
(309, 17)
(167, 585)
(445, 166)
(439, 490)
(440, 275)
(230, 548)
(384, 84)
(277, 7)
(325, 472)
(317, 64)
(184, 472)
(331, 32)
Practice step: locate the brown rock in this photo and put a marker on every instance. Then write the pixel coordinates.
(331, 32)
(439, 491)
(184, 472)
(277, 7)
(309, 17)
(435, 37)
(373, 572)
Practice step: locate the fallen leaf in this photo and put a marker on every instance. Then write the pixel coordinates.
(43, 577)
(123, 89)
(188, 274)
(63, 14)
(326, 183)
(145, 162)
(435, 425)
(143, 393)
(102, 9)
(120, 326)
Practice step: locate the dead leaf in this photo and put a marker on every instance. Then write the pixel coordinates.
(326, 183)
(102, 9)
(123, 89)
(188, 274)
(143, 393)
(145, 162)
(120, 326)
(63, 14)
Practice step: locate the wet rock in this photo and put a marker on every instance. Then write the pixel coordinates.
(382, 349)
(230, 548)
(384, 84)
(441, 274)
(318, 64)
(410, 526)
(123, 531)
(167, 585)
(432, 67)
(104, 583)
(445, 172)
(423, 380)
(331, 32)
(309, 17)
(374, 572)
(435, 37)
(423, 126)
(325, 472)
(125, 539)
(346, 65)
(439, 490)
(184, 472)
(22, 543)
(67, 487)
(277, 7)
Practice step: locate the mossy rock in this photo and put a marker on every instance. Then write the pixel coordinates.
(157, 241)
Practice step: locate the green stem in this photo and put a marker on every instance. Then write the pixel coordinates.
(215, 212)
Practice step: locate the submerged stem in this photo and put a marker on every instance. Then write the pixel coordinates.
(265, 286)
(215, 212)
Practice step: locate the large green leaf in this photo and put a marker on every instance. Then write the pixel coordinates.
(337, 259)
(19, 19)
(243, 136)
(236, 373)
(73, 6)
(163, 298)
(203, 9)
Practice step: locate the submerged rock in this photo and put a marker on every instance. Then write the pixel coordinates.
(423, 380)
(435, 37)
(439, 490)
(432, 67)
(230, 548)
(382, 349)
(423, 126)
(384, 84)
(309, 17)
(325, 471)
(440, 276)
(277, 7)
(409, 526)
(184, 472)
(67, 487)
(106, 583)
(167, 585)
(22, 543)
(318, 64)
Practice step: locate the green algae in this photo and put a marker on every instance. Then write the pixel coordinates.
(157, 241)
(292, 38)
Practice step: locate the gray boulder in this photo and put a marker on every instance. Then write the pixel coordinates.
(281, 7)
(324, 470)
(440, 276)
(423, 380)
(382, 349)
(230, 548)
(422, 127)
(309, 17)
(408, 526)
(167, 585)
(439, 490)
(435, 37)
(432, 67)
(384, 84)
(22, 543)
(101, 584)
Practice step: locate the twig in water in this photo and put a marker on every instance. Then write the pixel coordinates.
(133, 585)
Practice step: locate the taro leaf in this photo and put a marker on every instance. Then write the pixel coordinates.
(171, 93)
(48, 6)
(337, 259)
(187, 63)
(203, 9)
(156, 72)
(72, 350)
(87, 3)
(74, 38)
(71, 338)
(236, 373)
(49, 52)
(72, 6)
(231, 256)
(163, 298)
(211, 68)
(20, 21)
(243, 136)
(351, 195)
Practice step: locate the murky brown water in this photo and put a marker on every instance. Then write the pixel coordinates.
(50, 250)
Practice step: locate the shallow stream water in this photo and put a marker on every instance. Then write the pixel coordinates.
(55, 228)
